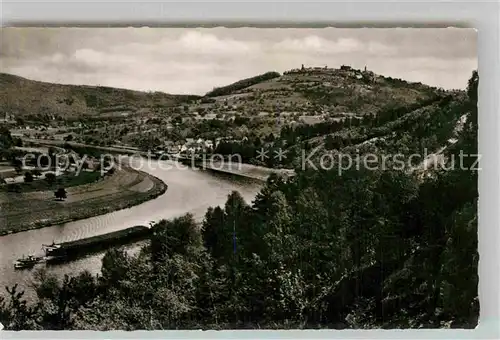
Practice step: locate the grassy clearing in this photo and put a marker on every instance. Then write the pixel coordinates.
(38, 209)
(66, 180)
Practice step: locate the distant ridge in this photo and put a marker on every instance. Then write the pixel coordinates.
(307, 89)
(21, 97)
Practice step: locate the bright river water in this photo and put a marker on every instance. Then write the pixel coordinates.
(189, 191)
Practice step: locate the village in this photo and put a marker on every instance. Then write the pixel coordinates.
(248, 116)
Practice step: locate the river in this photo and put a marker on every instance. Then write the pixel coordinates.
(189, 191)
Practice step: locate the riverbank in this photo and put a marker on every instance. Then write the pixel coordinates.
(250, 171)
(124, 189)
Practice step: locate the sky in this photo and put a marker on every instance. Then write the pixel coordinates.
(195, 60)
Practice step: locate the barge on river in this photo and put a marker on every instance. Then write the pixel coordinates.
(60, 252)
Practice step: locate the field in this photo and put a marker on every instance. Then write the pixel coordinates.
(65, 180)
(36, 209)
(6, 170)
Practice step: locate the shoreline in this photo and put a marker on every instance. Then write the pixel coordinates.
(87, 209)
(246, 170)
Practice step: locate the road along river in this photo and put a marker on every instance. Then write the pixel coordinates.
(189, 191)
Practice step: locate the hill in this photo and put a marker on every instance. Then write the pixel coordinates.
(372, 247)
(310, 91)
(331, 110)
(24, 98)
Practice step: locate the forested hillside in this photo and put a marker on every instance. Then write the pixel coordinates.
(382, 248)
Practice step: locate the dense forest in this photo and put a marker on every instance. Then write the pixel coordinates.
(365, 249)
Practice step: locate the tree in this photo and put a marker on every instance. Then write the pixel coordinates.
(18, 142)
(18, 165)
(50, 177)
(330, 142)
(28, 177)
(59, 301)
(15, 312)
(20, 121)
(212, 224)
(14, 187)
(174, 237)
(6, 140)
(234, 232)
(285, 287)
(36, 173)
(115, 264)
(60, 194)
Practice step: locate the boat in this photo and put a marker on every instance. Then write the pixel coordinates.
(55, 259)
(60, 252)
(28, 262)
(50, 248)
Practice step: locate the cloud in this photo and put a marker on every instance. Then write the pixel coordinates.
(197, 42)
(377, 48)
(179, 60)
(316, 44)
(90, 56)
(429, 70)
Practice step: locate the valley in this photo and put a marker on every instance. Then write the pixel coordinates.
(306, 247)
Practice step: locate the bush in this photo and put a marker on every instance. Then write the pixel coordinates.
(14, 188)
(28, 177)
(60, 194)
(50, 178)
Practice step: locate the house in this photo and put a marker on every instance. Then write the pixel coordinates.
(59, 137)
(8, 119)
(209, 144)
(17, 134)
(174, 149)
(311, 120)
